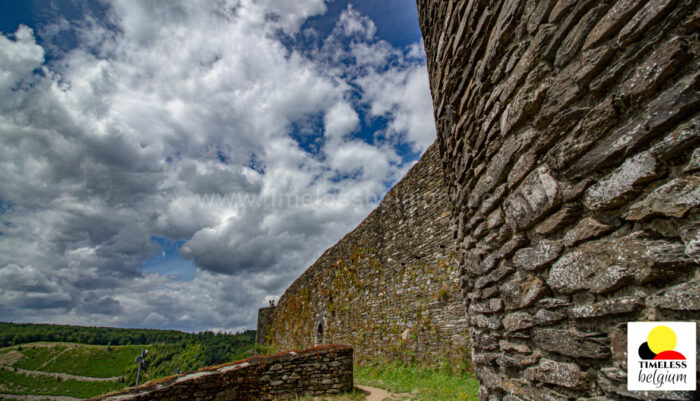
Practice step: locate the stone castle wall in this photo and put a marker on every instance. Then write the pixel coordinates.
(265, 316)
(391, 287)
(318, 371)
(568, 131)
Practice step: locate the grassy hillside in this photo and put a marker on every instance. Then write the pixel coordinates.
(23, 384)
(85, 370)
(80, 360)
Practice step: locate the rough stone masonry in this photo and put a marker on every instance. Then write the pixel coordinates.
(390, 288)
(568, 132)
(324, 370)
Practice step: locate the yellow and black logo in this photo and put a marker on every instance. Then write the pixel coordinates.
(660, 345)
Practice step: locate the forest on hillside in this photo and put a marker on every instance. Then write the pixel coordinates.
(21, 333)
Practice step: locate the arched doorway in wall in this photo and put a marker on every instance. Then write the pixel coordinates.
(318, 333)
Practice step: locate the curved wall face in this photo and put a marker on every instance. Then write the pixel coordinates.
(568, 132)
(391, 287)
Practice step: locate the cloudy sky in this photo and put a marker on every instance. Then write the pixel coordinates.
(175, 164)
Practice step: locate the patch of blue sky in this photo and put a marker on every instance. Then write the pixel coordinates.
(223, 158)
(257, 164)
(66, 15)
(396, 20)
(308, 133)
(407, 152)
(372, 130)
(169, 262)
(6, 206)
(338, 178)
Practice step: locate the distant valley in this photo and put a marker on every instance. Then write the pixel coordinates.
(53, 362)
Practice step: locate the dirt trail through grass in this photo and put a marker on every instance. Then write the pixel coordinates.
(53, 358)
(377, 394)
(9, 358)
(64, 376)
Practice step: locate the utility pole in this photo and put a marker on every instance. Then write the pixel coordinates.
(140, 361)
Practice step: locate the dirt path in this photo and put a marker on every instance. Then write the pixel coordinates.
(377, 394)
(10, 358)
(64, 376)
(53, 358)
(36, 397)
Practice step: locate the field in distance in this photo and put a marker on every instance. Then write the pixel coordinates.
(64, 370)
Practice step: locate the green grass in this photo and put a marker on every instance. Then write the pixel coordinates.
(36, 356)
(95, 362)
(80, 360)
(21, 384)
(424, 383)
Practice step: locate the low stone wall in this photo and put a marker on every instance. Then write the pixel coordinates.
(316, 371)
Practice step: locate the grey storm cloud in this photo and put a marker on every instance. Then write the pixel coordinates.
(174, 119)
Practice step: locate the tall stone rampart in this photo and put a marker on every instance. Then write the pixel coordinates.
(390, 288)
(568, 131)
(265, 317)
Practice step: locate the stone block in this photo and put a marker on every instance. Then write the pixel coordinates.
(575, 39)
(522, 291)
(539, 14)
(694, 162)
(690, 235)
(527, 61)
(524, 104)
(590, 128)
(612, 22)
(675, 199)
(655, 70)
(587, 228)
(682, 297)
(558, 373)
(539, 256)
(612, 189)
(518, 361)
(558, 220)
(497, 168)
(571, 343)
(495, 219)
(546, 316)
(484, 358)
(521, 168)
(670, 106)
(613, 306)
(484, 341)
(560, 10)
(618, 345)
(653, 11)
(678, 140)
(605, 265)
(538, 193)
(493, 277)
(517, 321)
(553, 303)
(491, 306)
(510, 346)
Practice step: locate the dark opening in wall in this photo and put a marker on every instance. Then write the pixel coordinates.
(319, 334)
